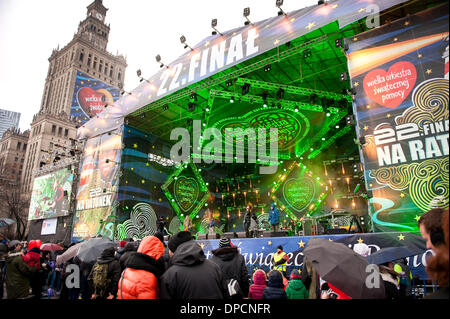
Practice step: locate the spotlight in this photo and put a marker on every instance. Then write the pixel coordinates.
(352, 91)
(344, 76)
(350, 119)
(191, 106)
(232, 99)
(246, 14)
(245, 88)
(279, 3)
(139, 73)
(267, 68)
(296, 109)
(193, 96)
(214, 25)
(165, 107)
(207, 109)
(229, 83)
(313, 99)
(264, 96)
(280, 94)
(339, 43)
(158, 59)
(183, 41)
(307, 53)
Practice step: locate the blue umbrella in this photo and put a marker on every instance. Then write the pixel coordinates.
(385, 255)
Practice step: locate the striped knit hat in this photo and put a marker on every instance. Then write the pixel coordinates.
(224, 242)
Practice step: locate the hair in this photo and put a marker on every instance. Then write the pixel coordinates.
(250, 205)
(438, 265)
(432, 220)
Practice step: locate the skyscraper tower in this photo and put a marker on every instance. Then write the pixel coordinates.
(82, 79)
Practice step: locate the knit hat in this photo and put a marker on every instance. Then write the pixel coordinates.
(122, 243)
(295, 274)
(224, 242)
(362, 249)
(178, 239)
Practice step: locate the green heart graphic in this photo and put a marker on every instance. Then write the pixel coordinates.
(186, 193)
(292, 126)
(299, 193)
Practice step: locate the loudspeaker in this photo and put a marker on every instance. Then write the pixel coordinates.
(281, 233)
(229, 235)
(335, 231)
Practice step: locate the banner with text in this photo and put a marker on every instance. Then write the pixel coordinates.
(400, 74)
(98, 187)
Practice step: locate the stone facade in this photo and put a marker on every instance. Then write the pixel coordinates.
(13, 146)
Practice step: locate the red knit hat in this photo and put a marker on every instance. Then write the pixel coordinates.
(122, 243)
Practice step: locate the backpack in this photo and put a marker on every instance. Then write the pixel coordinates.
(100, 279)
(234, 289)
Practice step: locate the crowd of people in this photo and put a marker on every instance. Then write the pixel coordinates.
(152, 269)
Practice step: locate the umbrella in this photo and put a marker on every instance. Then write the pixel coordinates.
(93, 248)
(341, 267)
(68, 254)
(385, 255)
(5, 222)
(51, 247)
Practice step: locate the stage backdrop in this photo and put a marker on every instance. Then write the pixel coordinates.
(98, 187)
(48, 198)
(259, 251)
(90, 97)
(400, 73)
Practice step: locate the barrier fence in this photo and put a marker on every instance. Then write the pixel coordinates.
(419, 288)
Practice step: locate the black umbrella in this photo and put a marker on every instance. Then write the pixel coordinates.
(385, 255)
(341, 267)
(90, 250)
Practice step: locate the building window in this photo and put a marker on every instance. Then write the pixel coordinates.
(81, 56)
(59, 131)
(95, 63)
(100, 68)
(119, 76)
(66, 132)
(24, 147)
(19, 144)
(111, 71)
(53, 129)
(89, 60)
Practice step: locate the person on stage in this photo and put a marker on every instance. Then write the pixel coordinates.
(274, 217)
(279, 260)
(250, 221)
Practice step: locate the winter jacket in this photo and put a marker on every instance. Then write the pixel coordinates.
(128, 249)
(275, 287)
(33, 259)
(390, 285)
(296, 290)
(192, 276)
(18, 275)
(258, 286)
(232, 265)
(143, 269)
(107, 257)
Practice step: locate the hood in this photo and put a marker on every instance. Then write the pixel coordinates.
(131, 246)
(296, 284)
(225, 253)
(145, 262)
(275, 280)
(107, 256)
(188, 254)
(259, 277)
(13, 255)
(34, 255)
(152, 247)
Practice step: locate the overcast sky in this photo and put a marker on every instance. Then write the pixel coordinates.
(140, 29)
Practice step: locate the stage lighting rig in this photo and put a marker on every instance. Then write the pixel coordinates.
(183, 41)
(280, 94)
(191, 107)
(246, 14)
(264, 96)
(313, 99)
(267, 68)
(122, 92)
(279, 3)
(214, 25)
(193, 96)
(229, 83)
(344, 76)
(158, 59)
(350, 120)
(139, 74)
(165, 107)
(307, 53)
